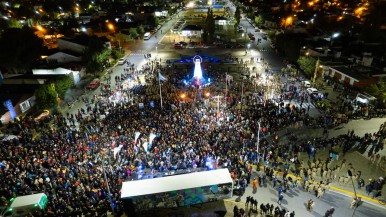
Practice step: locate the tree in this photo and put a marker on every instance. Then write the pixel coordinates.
(307, 65)
(289, 45)
(133, 32)
(116, 54)
(377, 90)
(95, 56)
(46, 96)
(210, 25)
(19, 49)
(152, 20)
(62, 85)
(141, 31)
(259, 20)
(237, 15)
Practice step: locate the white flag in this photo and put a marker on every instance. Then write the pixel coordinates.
(117, 150)
(136, 136)
(144, 145)
(229, 78)
(151, 137)
(161, 77)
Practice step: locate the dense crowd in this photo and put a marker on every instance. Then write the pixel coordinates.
(69, 164)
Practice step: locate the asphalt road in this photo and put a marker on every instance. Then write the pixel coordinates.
(295, 200)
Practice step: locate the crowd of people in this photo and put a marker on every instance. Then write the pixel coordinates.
(81, 169)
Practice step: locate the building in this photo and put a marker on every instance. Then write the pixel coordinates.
(15, 102)
(192, 31)
(356, 76)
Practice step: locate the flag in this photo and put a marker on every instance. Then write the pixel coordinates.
(228, 78)
(136, 136)
(117, 150)
(161, 77)
(144, 145)
(151, 137)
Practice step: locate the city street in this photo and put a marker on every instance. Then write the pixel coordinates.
(295, 199)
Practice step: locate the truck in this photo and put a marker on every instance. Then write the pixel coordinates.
(23, 205)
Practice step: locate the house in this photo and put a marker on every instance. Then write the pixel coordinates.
(356, 76)
(220, 22)
(192, 31)
(63, 56)
(15, 102)
(78, 43)
(75, 75)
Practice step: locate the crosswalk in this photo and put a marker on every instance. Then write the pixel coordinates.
(298, 104)
(139, 52)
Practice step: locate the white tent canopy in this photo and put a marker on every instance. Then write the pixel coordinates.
(175, 183)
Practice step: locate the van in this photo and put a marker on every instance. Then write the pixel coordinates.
(147, 36)
(24, 205)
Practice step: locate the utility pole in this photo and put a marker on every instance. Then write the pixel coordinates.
(316, 71)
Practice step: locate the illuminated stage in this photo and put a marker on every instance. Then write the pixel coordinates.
(198, 77)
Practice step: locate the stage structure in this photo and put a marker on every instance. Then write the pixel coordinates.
(198, 77)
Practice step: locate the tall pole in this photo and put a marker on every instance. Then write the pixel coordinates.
(316, 71)
(160, 92)
(226, 87)
(218, 104)
(108, 188)
(258, 139)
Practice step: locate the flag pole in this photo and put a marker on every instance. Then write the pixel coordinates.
(159, 82)
(226, 87)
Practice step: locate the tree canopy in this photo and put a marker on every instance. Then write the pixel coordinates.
(307, 65)
(46, 96)
(19, 49)
(95, 56)
(63, 84)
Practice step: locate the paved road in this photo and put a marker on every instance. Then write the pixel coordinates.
(295, 199)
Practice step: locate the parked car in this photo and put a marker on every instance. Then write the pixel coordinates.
(121, 61)
(94, 84)
(240, 31)
(178, 46)
(252, 38)
(184, 44)
(257, 30)
(305, 84)
(264, 36)
(312, 91)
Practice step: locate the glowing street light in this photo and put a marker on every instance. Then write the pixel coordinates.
(110, 26)
(335, 35)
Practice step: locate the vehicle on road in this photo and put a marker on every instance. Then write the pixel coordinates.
(305, 84)
(147, 36)
(178, 46)
(264, 36)
(184, 44)
(257, 30)
(94, 84)
(121, 61)
(312, 90)
(240, 31)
